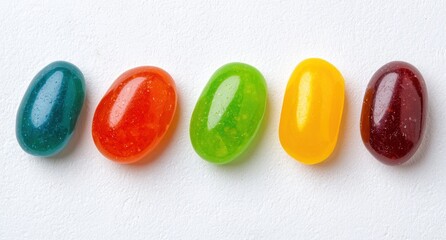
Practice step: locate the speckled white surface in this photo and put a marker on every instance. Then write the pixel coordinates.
(81, 195)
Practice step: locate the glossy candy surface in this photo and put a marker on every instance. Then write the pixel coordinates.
(134, 114)
(394, 113)
(312, 111)
(228, 113)
(50, 108)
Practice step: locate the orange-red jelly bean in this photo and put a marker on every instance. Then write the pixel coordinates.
(134, 114)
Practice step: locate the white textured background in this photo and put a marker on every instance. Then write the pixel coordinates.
(81, 195)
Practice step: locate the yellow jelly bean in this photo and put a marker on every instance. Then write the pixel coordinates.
(312, 111)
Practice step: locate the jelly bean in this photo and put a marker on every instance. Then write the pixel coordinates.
(50, 108)
(312, 111)
(393, 114)
(228, 113)
(135, 114)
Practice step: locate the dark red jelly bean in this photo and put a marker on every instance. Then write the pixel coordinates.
(394, 113)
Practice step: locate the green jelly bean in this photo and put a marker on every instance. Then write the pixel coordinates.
(228, 113)
(50, 108)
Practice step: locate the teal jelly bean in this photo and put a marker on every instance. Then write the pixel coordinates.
(50, 108)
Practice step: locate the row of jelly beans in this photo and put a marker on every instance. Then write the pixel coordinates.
(137, 110)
